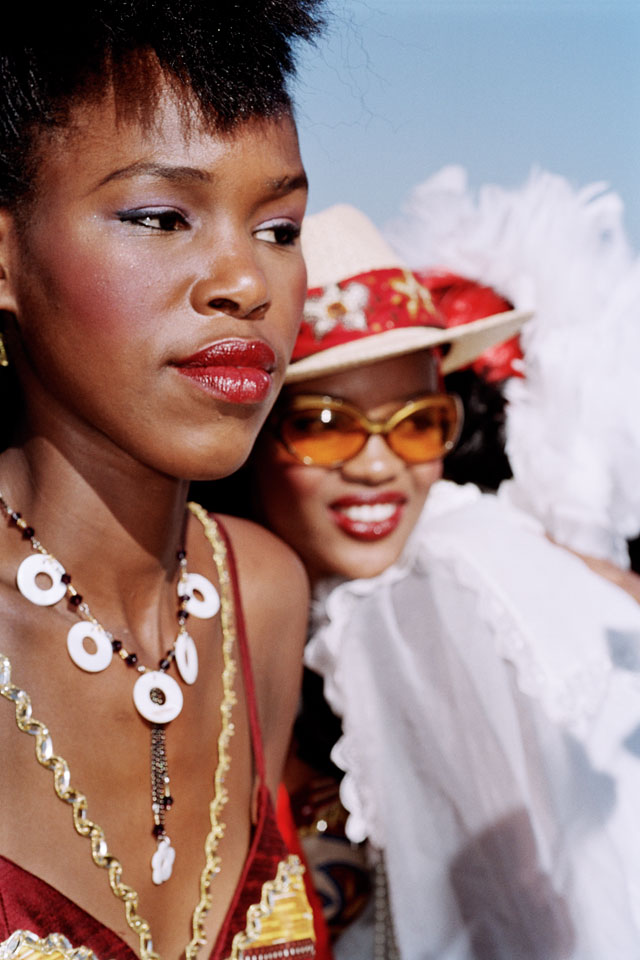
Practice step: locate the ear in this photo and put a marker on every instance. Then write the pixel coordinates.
(7, 250)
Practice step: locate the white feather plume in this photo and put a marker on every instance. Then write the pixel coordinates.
(573, 427)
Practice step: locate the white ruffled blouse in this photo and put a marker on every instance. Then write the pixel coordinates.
(489, 689)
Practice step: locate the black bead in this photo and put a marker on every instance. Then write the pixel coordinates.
(168, 802)
(158, 830)
(27, 533)
(75, 600)
(181, 555)
(164, 664)
(65, 578)
(116, 645)
(131, 659)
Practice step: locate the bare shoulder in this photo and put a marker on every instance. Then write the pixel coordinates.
(275, 599)
(274, 591)
(267, 567)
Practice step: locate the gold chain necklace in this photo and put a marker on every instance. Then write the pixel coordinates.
(92, 831)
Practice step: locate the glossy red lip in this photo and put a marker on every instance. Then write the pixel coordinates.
(368, 517)
(233, 353)
(238, 371)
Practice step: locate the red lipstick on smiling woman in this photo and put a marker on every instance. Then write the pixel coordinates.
(368, 517)
(235, 370)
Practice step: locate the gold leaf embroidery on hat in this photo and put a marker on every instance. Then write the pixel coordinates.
(417, 296)
(336, 306)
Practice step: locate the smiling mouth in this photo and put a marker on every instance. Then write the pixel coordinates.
(235, 370)
(370, 520)
(370, 512)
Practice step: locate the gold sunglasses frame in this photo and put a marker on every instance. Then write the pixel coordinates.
(312, 401)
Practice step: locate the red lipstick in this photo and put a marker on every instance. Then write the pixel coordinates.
(235, 370)
(368, 517)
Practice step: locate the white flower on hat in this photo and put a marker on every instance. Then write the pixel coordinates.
(337, 306)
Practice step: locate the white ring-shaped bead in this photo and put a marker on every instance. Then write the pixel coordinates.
(91, 662)
(186, 657)
(157, 712)
(206, 607)
(30, 568)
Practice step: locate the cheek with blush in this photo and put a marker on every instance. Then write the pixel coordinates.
(424, 475)
(291, 496)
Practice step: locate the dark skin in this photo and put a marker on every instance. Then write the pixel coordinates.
(98, 305)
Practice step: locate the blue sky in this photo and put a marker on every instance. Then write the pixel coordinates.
(398, 88)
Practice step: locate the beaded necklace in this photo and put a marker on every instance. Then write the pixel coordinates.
(87, 828)
(157, 696)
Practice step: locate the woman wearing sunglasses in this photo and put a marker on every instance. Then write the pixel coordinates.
(464, 653)
(358, 437)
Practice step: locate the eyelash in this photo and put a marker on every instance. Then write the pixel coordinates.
(285, 233)
(168, 220)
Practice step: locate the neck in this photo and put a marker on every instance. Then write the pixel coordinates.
(113, 523)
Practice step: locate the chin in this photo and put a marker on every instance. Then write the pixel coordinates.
(212, 456)
(201, 463)
(216, 469)
(365, 562)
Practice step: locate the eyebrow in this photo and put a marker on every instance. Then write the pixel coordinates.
(288, 184)
(174, 174)
(182, 174)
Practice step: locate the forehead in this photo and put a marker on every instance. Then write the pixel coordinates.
(377, 384)
(97, 140)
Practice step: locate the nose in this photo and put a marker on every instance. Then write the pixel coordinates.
(233, 281)
(374, 465)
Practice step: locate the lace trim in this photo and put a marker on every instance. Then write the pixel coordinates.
(569, 700)
(92, 831)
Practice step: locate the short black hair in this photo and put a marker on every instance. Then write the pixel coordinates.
(232, 58)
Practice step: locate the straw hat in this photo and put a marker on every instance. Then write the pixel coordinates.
(365, 305)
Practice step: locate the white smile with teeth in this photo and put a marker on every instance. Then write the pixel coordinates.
(370, 512)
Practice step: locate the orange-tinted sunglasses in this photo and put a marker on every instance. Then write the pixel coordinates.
(327, 431)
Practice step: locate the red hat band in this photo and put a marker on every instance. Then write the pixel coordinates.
(460, 300)
(361, 306)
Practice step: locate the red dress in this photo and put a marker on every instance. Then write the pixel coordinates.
(270, 877)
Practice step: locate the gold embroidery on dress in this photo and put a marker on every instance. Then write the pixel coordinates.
(24, 945)
(78, 802)
(227, 615)
(281, 925)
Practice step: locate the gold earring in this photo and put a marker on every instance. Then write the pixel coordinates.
(4, 359)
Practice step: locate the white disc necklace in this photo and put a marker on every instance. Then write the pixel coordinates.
(157, 697)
